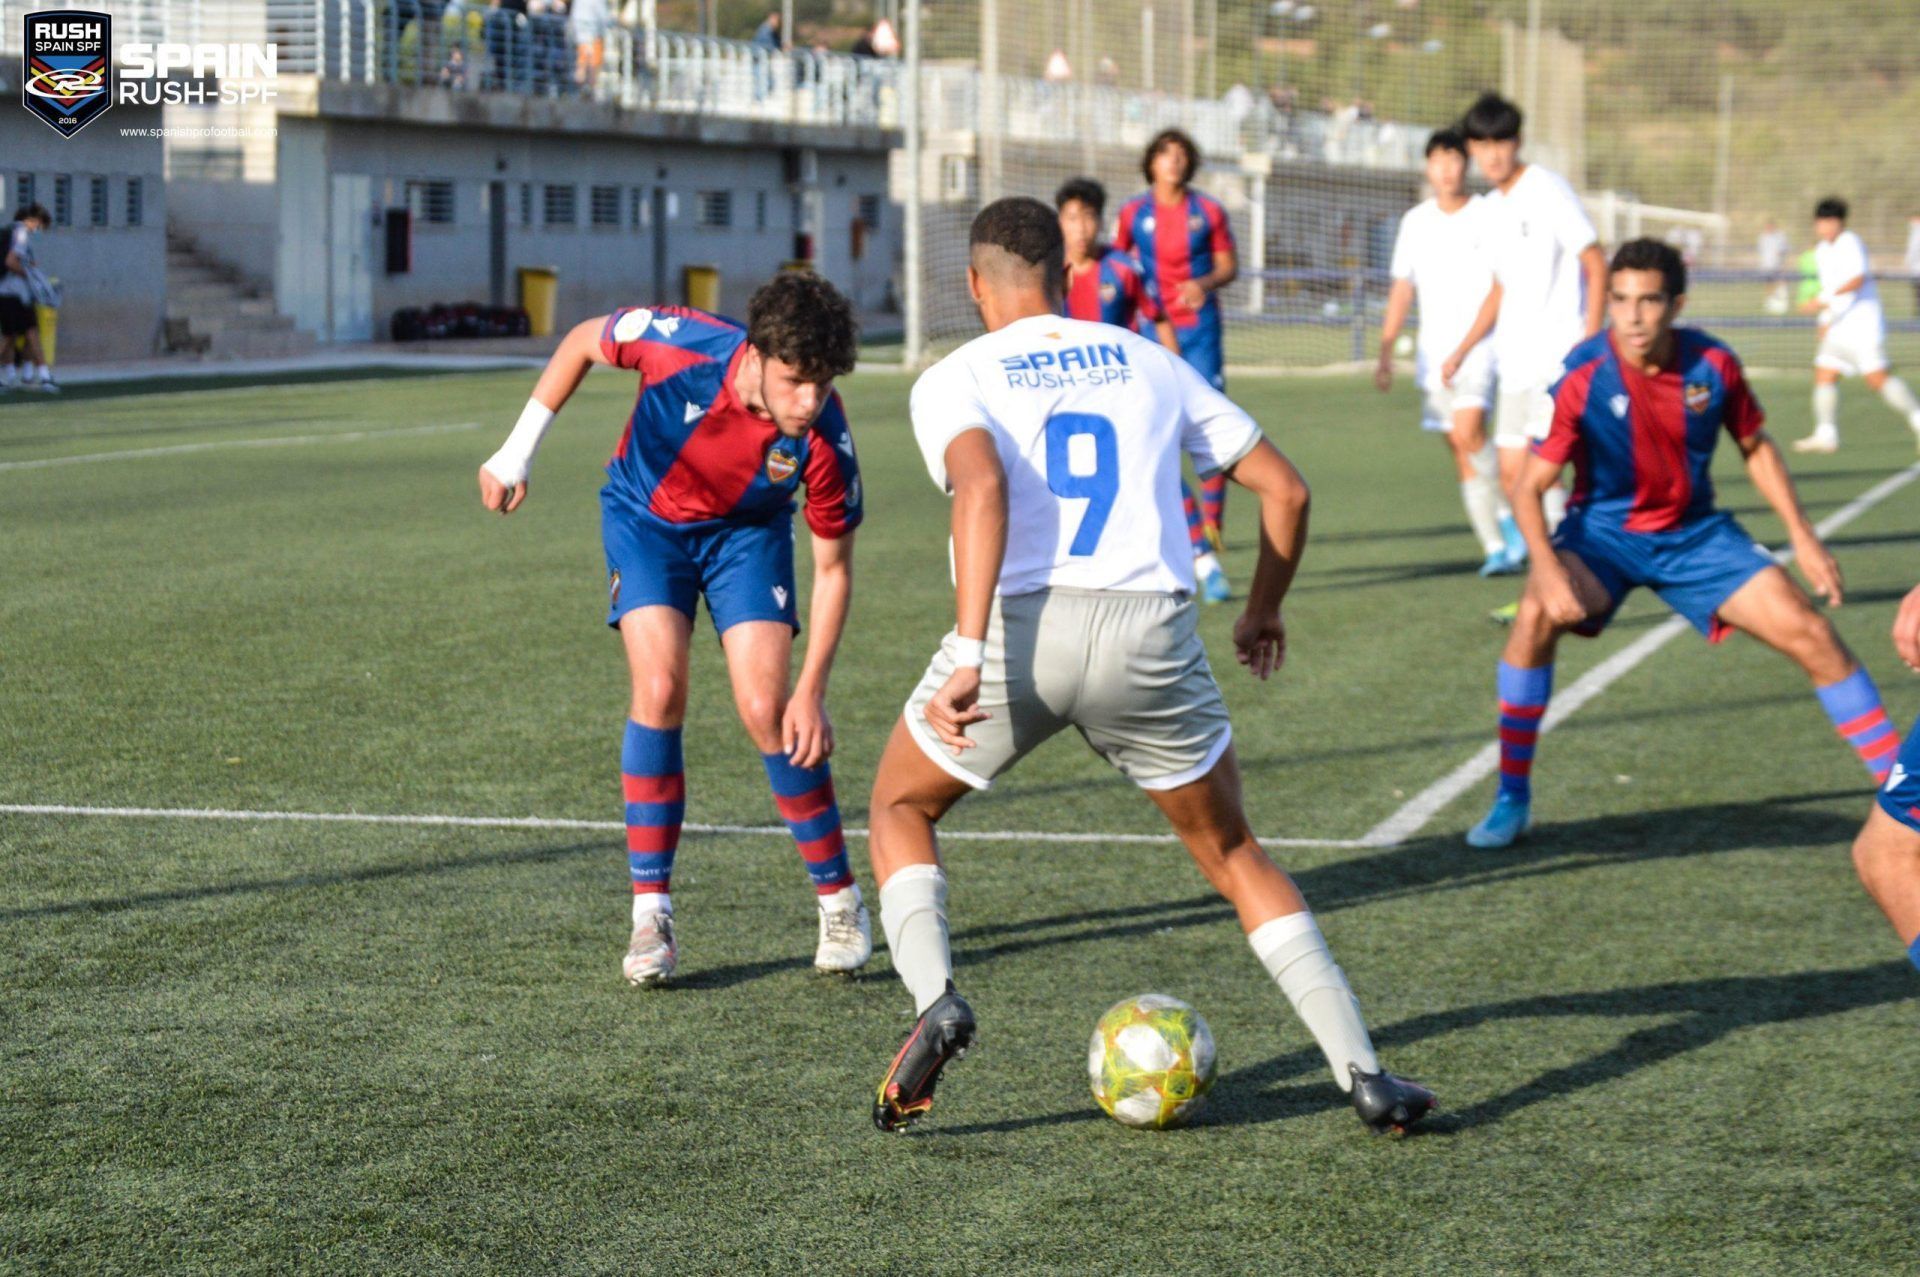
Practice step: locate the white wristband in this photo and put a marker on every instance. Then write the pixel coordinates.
(515, 458)
(969, 653)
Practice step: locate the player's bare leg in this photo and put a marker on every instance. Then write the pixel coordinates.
(1773, 609)
(910, 795)
(1887, 857)
(759, 657)
(1210, 817)
(653, 780)
(1525, 682)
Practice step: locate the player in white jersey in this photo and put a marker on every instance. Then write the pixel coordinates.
(1061, 443)
(1853, 331)
(1440, 256)
(1549, 291)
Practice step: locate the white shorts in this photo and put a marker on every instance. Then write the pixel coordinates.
(1472, 388)
(1853, 350)
(1524, 415)
(1126, 670)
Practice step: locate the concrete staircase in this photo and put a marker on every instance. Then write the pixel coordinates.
(208, 302)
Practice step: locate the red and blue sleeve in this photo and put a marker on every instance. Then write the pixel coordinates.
(1123, 229)
(1220, 235)
(1740, 411)
(1569, 408)
(630, 339)
(1145, 304)
(834, 498)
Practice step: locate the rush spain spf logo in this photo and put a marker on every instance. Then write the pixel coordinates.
(67, 68)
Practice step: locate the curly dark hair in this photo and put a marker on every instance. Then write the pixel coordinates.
(1161, 141)
(802, 320)
(1084, 190)
(1025, 228)
(1654, 255)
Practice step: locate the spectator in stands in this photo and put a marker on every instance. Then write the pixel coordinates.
(21, 287)
(863, 47)
(508, 64)
(587, 22)
(767, 43)
(551, 41)
(767, 34)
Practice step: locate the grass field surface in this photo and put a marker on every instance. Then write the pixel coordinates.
(1669, 1032)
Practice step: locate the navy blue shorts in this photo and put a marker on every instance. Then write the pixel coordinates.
(1693, 568)
(1201, 346)
(1900, 796)
(744, 570)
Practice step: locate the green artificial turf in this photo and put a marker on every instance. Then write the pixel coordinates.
(1669, 1032)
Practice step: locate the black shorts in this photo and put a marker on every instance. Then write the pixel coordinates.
(16, 317)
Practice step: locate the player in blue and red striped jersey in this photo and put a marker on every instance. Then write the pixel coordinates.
(729, 424)
(1638, 412)
(1887, 852)
(1105, 286)
(1186, 252)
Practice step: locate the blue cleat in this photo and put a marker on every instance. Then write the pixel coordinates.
(1516, 544)
(1509, 819)
(1499, 563)
(1214, 587)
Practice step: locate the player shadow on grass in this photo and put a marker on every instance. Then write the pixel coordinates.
(1703, 1012)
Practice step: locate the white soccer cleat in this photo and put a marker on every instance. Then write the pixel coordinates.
(1823, 441)
(652, 955)
(846, 934)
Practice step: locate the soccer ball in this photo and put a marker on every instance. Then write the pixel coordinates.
(1151, 1061)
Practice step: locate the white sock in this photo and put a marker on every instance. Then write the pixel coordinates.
(1295, 954)
(846, 898)
(1826, 408)
(1897, 397)
(7, 377)
(40, 371)
(648, 903)
(1555, 503)
(1205, 564)
(913, 913)
(1481, 496)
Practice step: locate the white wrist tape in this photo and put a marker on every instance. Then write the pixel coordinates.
(515, 458)
(969, 653)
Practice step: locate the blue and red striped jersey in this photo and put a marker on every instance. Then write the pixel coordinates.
(693, 453)
(1642, 445)
(1176, 243)
(1110, 292)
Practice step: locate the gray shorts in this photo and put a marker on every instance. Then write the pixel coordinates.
(1127, 670)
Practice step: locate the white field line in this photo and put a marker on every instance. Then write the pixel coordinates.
(276, 441)
(1429, 802)
(593, 826)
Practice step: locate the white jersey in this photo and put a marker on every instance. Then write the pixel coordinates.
(1445, 256)
(1841, 262)
(1538, 230)
(1090, 421)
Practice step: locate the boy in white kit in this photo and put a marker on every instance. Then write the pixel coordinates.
(1853, 331)
(1441, 256)
(1549, 291)
(1061, 443)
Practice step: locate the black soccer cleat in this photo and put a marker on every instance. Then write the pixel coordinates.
(1388, 1103)
(943, 1033)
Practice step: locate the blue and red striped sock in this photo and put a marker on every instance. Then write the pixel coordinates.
(804, 796)
(1523, 702)
(1213, 499)
(1196, 527)
(1853, 704)
(654, 779)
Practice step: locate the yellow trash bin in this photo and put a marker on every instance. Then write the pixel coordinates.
(539, 297)
(703, 287)
(49, 318)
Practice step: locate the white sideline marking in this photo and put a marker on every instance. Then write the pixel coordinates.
(594, 826)
(1429, 802)
(278, 441)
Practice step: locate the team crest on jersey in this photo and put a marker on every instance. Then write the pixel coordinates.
(1107, 292)
(1619, 405)
(781, 465)
(1196, 223)
(1698, 395)
(613, 588)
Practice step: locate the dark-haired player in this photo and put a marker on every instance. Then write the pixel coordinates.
(1638, 413)
(1061, 442)
(1549, 285)
(730, 423)
(1186, 251)
(1853, 331)
(1104, 286)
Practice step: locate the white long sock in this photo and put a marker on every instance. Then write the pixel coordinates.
(1826, 408)
(1555, 504)
(913, 913)
(650, 902)
(1894, 391)
(1295, 954)
(1481, 496)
